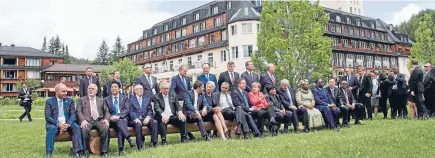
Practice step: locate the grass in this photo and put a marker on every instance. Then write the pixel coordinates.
(377, 138)
(16, 114)
(17, 107)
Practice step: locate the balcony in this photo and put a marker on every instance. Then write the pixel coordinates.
(10, 74)
(51, 84)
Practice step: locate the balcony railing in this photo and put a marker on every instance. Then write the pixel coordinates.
(195, 65)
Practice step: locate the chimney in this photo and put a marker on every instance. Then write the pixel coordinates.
(0, 44)
(12, 45)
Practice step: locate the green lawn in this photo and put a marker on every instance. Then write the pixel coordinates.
(16, 114)
(378, 138)
(17, 107)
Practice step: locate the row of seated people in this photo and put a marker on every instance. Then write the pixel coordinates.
(249, 110)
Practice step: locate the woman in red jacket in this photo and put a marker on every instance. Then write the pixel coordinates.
(262, 108)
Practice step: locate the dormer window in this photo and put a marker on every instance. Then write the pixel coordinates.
(146, 34)
(174, 24)
(348, 20)
(166, 28)
(229, 5)
(358, 22)
(372, 25)
(214, 10)
(183, 21)
(338, 18)
(155, 31)
(196, 17)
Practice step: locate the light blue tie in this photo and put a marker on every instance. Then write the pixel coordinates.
(290, 97)
(116, 107)
(184, 82)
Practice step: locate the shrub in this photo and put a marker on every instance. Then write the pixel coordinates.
(38, 101)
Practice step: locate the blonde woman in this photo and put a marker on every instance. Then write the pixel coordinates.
(218, 118)
(305, 98)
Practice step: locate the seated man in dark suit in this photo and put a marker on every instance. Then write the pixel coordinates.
(325, 105)
(287, 96)
(60, 117)
(348, 102)
(142, 114)
(197, 108)
(119, 108)
(169, 111)
(93, 114)
(282, 115)
(334, 93)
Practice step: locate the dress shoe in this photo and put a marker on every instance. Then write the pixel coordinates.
(164, 143)
(121, 153)
(21, 119)
(132, 144)
(246, 137)
(207, 138)
(184, 140)
(346, 125)
(30, 120)
(297, 131)
(140, 148)
(154, 144)
(48, 156)
(336, 129)
(358, 122)
(285, 130)
(191, 137)
(104, 155)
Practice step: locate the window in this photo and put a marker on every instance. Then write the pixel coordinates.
(346, 30)
(223, 55)
(354, 10)
(159, 51)
(210, 59)
(258, 3)
(378, 63)
(189, 62)
(338, 18)
(183, 21)
(214, 10)
(192, 43)
(33, 62)
(349, 60)
(171, 65)
(326, 27)
(369, 62)
(217, 21)
(339, 27)
(196, 17)
(183, 32)
(199, 58)
(201, 41)
(233, 29)
(180, 61)
(195, 28)
(372, 46)
(393, 62)
(359, 11)
(202, 26)
(167, 37)
(178, 34)
(338, 59)
(9, 61)
(211, 38)
(155, 31)
(350, 9)
(359, 60)
(345, 42)
(348, 20)
(181, 46)
(358, 22)
(354, 43)
(386, 62)
(224, 35)
(10, 74)
(166, 28)
(149, 43)
(174, 47)
(247, 50)
(156, 67)
(174, 24)
(372, 25)
(33, 74)
(235, 51)
(246, 28)
(146, 34)
(350, 30)
(165, 49)
(228, 5)
(335, 42)
(332, 27)
(9, 87)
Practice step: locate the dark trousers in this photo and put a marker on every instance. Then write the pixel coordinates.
(363, 99)
(328, 115)
(285, 118)
(122, 131)
(103, 132)
(152, 126)
(359, 112)
(429, 101)
(262, 114)
(27, 108)
(421, 108)
(199, 122)
(244, 119)
(302, 114)
(383, 105)
(53, 131)
(345, 113)
(173, 120)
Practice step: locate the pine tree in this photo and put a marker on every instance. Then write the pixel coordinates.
(103, 54)
(66, 57)
(117, 51)
(44, 45)
(57, 46)
(51, 47)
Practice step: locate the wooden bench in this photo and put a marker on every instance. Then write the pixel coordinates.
(94, 141)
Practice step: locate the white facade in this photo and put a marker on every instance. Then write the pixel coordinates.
(350, 6)
(403, 66)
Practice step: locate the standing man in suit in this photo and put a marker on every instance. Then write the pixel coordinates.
(148, 82)
(60, 116)
(206, 76)
(250, 76)
(169, 111)
(106, 87)
(334, 93)
(428, 94)
(268, 79)
(398, 98)
(229, 76)
(352, 81)
(365, 91)
(417, 89)
(142, 114)
(287, 96)
(326, 105)
(88, 79)
(93, 114)
(180, 84)
(25, 101)
(119, 109)
(197, 108)
(348, 102)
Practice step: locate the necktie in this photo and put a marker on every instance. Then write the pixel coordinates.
(115, 106)
(208, 79)
(360, 80)
(184, 82)
(90, 80)
(252, 77)
(140, 101)
(244, 99)
(94, 112)
(232, 77)
(229, 101)
(150, 81)
(273, 79)
(290, 97)
(347, 79)
(332, 93)
(345, 95)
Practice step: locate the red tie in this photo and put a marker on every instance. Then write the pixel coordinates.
(90, 80)
(273, 79)
(232, 78)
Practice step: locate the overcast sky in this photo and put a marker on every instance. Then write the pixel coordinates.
(83, 24)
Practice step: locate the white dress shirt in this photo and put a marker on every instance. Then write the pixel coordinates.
(167, 106)
(223, 101)
(61, 118)
(195, 104)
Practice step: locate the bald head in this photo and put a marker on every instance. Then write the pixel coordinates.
(270, 68)
(60, 90)
(92, 90)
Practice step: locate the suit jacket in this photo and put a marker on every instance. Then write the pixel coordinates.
(285, 100)
(84, 83)
(22, 95)
(124, 106)
(352, 81)
(416, 81)
(275, 99)
(201, 103)
(204, 80)
(335, 97)
(266, 81)
(225, 77)
(321, 97)
(250, 79)
(401, 84)
(342, 98)
(84, 109)
(107, 88)
(238, 100)
(147, 88)
(51, 111)
(177, 86)
(141, 112)
(385, 88)
(366, 85)
(159, 104)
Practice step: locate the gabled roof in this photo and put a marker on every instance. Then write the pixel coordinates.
(75, 68)
(24, 52)
(246, 11)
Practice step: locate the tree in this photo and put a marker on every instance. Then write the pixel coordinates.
(410, 26)
(291, 36)
(424, 48)
(44, 45)
(103, 54)
(57, 46)
(128, 70)
(51, 47)
(117, 51)
(66, 57)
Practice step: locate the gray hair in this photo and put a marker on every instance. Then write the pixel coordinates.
(181, 67)
(211, 83)
(164, 85)
(137, 86)
(285, 81)
(269, 65)
(225, 83)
